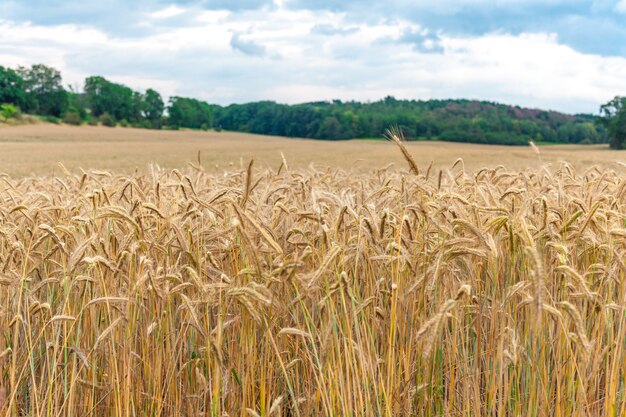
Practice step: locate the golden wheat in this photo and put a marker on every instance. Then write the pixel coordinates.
(314, 292)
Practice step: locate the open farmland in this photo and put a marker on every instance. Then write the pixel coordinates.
(308, 292)
(36, 149)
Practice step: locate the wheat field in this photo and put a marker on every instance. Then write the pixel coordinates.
(314, 292)
(30, 150)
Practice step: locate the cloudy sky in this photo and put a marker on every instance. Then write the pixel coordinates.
(567, 55)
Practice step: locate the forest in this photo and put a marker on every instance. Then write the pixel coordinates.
(39, 90)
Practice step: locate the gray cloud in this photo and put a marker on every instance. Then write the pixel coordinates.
(115, 17)
(590, 26)
(365, 51)
(422, 41)
(248, 47)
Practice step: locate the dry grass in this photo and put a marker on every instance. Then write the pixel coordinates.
(36, 149)
(309, 292)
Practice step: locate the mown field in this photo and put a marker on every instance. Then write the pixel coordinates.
(473, 290)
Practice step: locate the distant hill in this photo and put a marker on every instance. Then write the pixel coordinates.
(39, 90)
(449, 120)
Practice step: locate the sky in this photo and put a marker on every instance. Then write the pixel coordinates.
(565, 55)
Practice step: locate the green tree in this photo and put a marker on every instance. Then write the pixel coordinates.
(459, 120)
(152, 106)
(330, 129)
(44, 90)
(76, 104)
(613, 118)
(117, 100)
(189, 112)
(12, 88)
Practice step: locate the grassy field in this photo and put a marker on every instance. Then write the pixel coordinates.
(36, 149)
(300, 291)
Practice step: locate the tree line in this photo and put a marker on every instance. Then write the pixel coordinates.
(449, 120)
(39, 90)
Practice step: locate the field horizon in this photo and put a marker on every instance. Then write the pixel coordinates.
(37, 149)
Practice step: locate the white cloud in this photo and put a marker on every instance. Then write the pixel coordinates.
(534, 69)
(170, 11)
(621, 6)
(296, 62)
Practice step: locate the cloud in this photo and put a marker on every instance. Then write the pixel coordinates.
(237, 5)
(590, 26)
(120, 18)
(295, 55)
(599, 36)
(247, 46)
(330, 30)
(422, 40)
(170, 11)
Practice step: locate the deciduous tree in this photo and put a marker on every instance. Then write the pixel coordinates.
(44, 90)
(11, 88)
(153, 106)
(613, 117)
